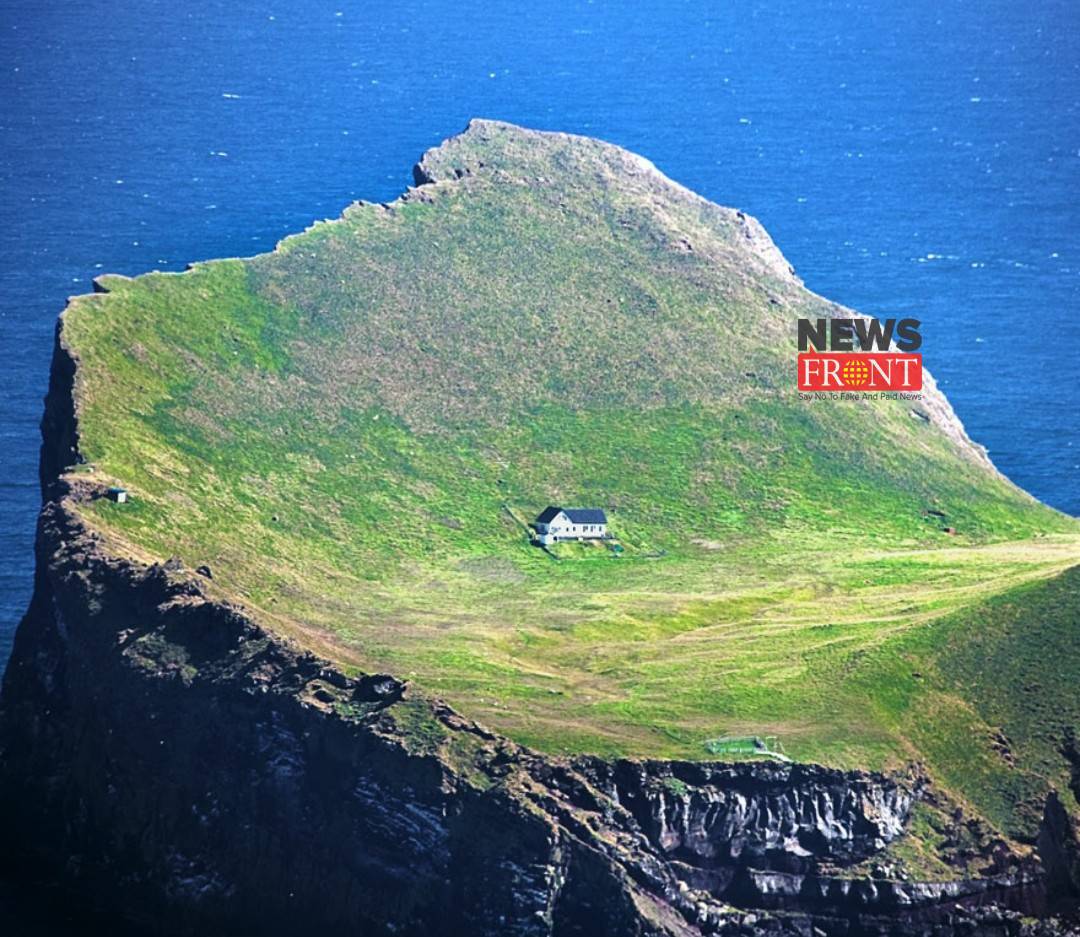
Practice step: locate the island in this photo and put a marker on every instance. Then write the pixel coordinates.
(293, 661)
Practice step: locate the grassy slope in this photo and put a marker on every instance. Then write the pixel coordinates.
(350, 430)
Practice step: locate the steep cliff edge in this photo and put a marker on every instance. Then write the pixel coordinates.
(170, 755)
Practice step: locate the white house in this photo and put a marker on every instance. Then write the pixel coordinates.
(556, 523)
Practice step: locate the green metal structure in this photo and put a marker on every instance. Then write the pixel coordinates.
(747, 745)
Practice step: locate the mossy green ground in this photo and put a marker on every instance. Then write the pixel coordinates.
(352, 431)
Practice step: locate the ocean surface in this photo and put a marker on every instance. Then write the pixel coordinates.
(910, 159)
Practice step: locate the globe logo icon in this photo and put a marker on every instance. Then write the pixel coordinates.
(855, 373)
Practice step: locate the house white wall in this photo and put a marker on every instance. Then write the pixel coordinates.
(561, 526)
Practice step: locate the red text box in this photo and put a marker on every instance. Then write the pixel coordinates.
(855, 372)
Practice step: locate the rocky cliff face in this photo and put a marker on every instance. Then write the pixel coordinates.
(1059, 847)
(161, 749)
(778, 817)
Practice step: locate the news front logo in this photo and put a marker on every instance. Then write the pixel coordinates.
(857, 355)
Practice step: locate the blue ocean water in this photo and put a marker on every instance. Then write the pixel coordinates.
(919, 159)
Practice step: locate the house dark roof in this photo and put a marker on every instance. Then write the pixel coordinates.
(586, 515)
(576, 515)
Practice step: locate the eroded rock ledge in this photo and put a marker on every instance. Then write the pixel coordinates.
(164, 748)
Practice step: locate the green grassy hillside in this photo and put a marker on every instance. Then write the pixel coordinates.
(351, 431)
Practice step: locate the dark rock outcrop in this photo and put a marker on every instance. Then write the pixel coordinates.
(1059, 849)
(780, 817)
(59, 427)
